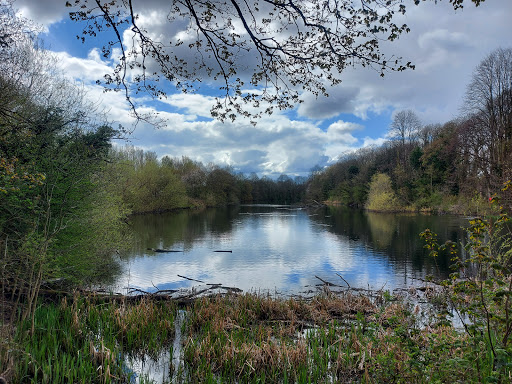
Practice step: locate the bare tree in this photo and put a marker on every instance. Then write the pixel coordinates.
(488, 102)
(404, 129)
(405, 126)
(13, 29)
(429, 133)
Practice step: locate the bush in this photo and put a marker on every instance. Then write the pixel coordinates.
(381, 196)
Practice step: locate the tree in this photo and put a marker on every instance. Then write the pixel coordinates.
(285, 47)
(488, 103)
(51, 158)
(405, 129)
(439, 160)
(221, 187)
(13, 29)
(381, 196)
(49, 166)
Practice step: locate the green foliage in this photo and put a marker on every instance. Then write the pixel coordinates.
(147, 184)
(381, 196)
(89, 342)
(56, 218)
(434, 164)
(154, 188)
(480, 291)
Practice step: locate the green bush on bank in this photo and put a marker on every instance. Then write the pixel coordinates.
(381, 196)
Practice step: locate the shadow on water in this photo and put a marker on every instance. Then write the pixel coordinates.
(396, 235)
(179, 229)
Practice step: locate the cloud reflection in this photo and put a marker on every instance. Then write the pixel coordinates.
(277, 250)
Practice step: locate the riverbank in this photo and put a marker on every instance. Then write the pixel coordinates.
(338, 337)
(452, 205)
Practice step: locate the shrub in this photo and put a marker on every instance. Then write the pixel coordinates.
(381, 196)
(480, 291)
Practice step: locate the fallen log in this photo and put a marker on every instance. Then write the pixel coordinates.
(160, 250)
(188, 278)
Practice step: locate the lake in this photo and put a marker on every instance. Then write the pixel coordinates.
(282, 249)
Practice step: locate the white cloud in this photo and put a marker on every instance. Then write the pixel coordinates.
(341, 128)
(370, 142)
(86, 70)
(43, 12)
(275, 145)
(196, 104)
(444, 45)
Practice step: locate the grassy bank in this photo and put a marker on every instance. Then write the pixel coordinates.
(246, 338)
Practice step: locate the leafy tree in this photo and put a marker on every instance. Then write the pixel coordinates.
(440, 159)
(381, 196)
(54, 166)
(192, 173)
(155, 188)
(51, 157)
(221, 188)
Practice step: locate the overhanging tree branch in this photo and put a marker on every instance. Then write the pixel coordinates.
(299, 45)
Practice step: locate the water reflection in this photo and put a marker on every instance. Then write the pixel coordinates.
(281, 249)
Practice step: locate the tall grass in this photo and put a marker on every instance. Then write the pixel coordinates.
(328, 339)
(247, 338)
(83, 341)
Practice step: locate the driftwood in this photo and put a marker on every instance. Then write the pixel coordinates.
(346, 282)
(326, 284)
(329, 284)
(188, 278)
(187, 296)
(159, 250)
(175, 295)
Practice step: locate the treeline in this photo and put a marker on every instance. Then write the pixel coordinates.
(454, 166)
(148, 184)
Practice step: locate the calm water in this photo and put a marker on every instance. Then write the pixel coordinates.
(281, 249)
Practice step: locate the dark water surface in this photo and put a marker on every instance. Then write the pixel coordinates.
(281, 249)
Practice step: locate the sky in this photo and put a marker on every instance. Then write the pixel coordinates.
(444, 44)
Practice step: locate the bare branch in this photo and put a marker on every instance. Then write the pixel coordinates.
(299, 46)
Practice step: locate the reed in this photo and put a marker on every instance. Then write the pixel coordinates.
(86, 342)
(345, 338)
(246, 338)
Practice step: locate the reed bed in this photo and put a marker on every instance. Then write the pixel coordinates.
(340, 339)
(245, 338)
(86, 341)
